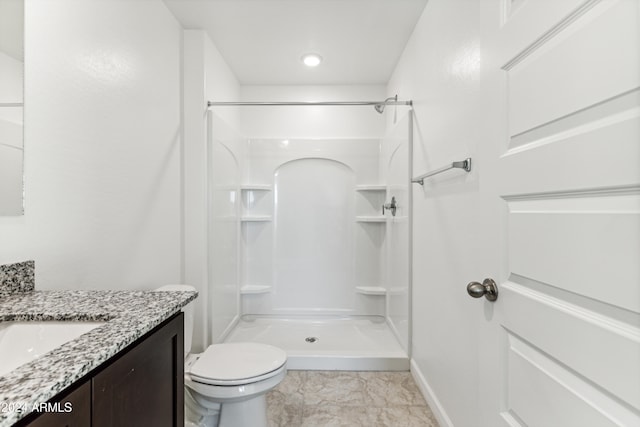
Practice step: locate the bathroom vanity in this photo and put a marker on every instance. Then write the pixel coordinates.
(141, 385)
(127, 371)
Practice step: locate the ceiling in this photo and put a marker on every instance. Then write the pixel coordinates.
(360, 41)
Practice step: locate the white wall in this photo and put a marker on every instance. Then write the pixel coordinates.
(312, 122)
(206, 76)
(102, 146)
(221, 83)
(442, 71)
(11, 141)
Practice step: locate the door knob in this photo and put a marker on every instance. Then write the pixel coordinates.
(488, 288)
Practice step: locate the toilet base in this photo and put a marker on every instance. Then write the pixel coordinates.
(196, 415)
(251, 412)
(239, 405)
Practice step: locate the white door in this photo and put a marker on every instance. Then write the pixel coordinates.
(561, 345)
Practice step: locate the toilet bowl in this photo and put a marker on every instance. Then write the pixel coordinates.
(226, 385)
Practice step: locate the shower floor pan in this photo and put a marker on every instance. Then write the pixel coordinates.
(363, 343)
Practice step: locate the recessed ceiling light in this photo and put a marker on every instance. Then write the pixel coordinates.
(311, 59)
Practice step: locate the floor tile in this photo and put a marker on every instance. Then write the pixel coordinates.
(335, 416)
(334, 388)
(349, 399)
(285, 402)
(391, 388)
(405, 416)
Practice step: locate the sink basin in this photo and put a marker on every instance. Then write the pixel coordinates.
(22, 342)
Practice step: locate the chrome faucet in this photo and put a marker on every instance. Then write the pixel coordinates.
(392, 206)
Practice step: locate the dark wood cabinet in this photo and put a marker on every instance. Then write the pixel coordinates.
(71, 409)
(143, 385)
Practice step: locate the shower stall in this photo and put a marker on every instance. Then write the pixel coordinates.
(309, 240)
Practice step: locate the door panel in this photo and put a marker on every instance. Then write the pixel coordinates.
(572, 67)
(593, 148)
(591, 254)
(544, 390)
(566, 326)
(592, 346)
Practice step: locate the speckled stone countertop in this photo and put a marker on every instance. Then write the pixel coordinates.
(17, 277)
(128, 316)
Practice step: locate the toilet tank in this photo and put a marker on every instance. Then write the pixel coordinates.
(188, 314)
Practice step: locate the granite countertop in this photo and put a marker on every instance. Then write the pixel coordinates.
(128, 316)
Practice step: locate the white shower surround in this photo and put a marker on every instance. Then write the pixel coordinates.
(314, 249)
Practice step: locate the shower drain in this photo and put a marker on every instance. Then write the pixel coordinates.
(311, 339)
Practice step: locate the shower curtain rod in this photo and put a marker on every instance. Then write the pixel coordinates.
(341, 103)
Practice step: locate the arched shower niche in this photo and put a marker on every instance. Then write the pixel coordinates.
(313, 237)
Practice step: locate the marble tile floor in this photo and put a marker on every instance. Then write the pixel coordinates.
(349, 399)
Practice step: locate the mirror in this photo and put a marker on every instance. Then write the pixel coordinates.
(11, 107)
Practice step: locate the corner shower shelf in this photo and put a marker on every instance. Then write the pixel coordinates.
(371, 187)
(255, 289)
(256, 218)
(371, 290)
(255, 187)
(398, 290)
(371, 218)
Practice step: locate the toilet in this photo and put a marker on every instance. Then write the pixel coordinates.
(226, 385)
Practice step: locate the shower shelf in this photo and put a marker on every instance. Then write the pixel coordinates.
(255, 187)
(256, 218)
(255, 289)
(372, 187)
(371, 290)
(371, 218)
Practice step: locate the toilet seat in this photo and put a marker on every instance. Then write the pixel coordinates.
(233, 364)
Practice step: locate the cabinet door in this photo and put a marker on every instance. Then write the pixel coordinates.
(144, 386)
(72, 410)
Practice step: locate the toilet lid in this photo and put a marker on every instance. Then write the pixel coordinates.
(230, 362)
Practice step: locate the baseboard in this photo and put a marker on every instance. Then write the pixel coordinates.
(430, 396)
